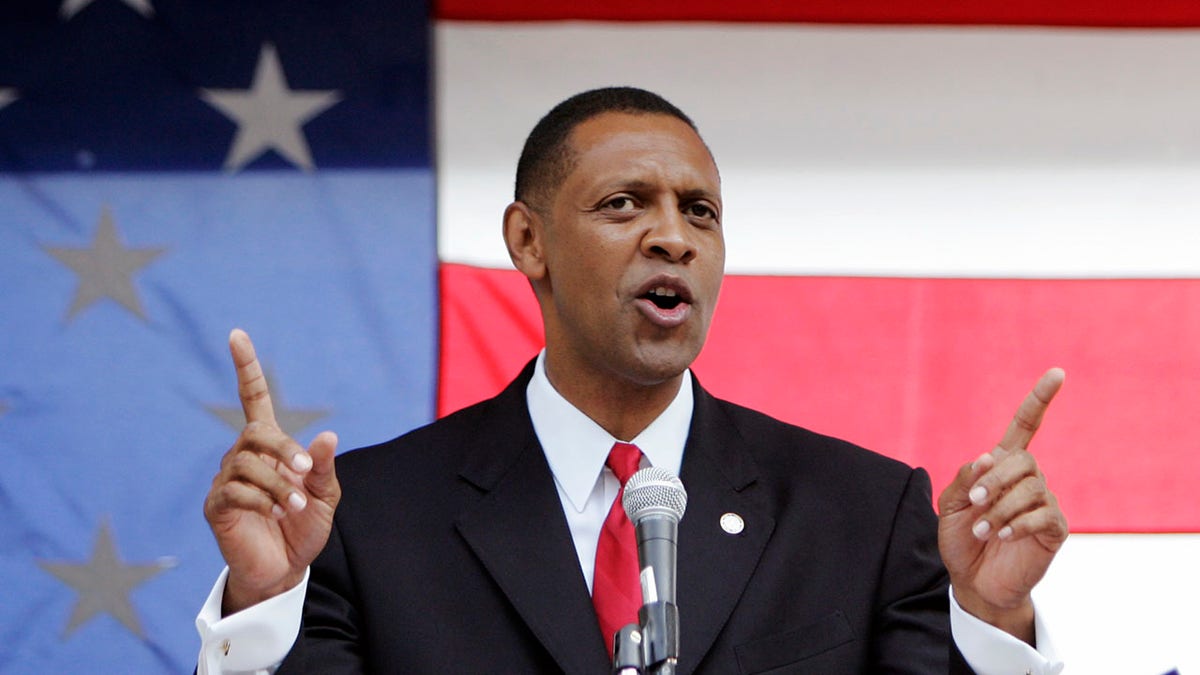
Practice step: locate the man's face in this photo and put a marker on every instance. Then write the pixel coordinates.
(634, 251)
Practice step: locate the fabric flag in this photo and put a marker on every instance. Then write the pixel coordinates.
(169, 171)
(920, 220)
(926, 206)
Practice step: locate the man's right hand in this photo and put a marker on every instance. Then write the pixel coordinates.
(271, 505)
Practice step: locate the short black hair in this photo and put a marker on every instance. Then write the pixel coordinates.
(546, 157)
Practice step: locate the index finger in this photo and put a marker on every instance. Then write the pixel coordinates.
(1029, 414)
(252, 384)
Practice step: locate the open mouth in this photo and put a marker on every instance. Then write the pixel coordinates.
(663, 297)
(666, 301)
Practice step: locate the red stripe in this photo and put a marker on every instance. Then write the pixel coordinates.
(1164, 13)
(928, 371)
(490, 327)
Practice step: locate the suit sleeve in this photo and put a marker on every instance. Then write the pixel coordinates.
(912, 631)
(329, 633)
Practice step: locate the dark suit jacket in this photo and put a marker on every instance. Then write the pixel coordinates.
(450, 554)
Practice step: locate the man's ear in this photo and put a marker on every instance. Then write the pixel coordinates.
(524, 235)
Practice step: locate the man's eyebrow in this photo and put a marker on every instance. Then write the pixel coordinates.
(630, 184)
(637, 185)
(701, 193)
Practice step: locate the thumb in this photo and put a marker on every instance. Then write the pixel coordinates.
(321, 481)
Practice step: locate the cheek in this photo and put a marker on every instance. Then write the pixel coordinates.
(714, 269)
(594, 264)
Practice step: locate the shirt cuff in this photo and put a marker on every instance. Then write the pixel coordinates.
(254, 640)
(991, 651)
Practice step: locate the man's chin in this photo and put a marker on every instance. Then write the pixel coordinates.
(663, 363)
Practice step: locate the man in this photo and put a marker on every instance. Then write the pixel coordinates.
(471, 545)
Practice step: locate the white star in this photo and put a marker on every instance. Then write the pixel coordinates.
(7, 96)
(103, 583)
(72, 7)
(105, 269)
(269, 115)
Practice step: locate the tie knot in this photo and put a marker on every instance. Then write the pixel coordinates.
(623, 459)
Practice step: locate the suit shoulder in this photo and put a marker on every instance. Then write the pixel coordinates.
(437, 444)
(775, 442)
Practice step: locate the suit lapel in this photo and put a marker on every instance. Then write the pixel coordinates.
(519, 533)
(714, 565)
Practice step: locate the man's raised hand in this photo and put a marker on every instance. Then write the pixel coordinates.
(271, 503)
(1000, 526)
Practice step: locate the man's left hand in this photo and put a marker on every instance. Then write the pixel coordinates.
(1000, 526)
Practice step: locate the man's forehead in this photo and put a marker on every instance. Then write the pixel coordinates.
(605, 125)
(639, 138)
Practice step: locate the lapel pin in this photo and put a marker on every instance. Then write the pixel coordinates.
(732, 523)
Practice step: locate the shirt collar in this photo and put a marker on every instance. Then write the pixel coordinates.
(576, 447)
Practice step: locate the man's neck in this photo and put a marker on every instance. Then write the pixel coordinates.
(622, 408)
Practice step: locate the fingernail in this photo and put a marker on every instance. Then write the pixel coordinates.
(277, 511)
(975, 464)
(1005, 532)
(981, 529)
(297, 501)
(977, 495)
(301, 462)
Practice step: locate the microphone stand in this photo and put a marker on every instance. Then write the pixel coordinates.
(660, 637)
(651, 646)
(627, 651)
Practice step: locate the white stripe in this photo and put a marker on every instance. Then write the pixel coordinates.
(948, 151)
(866, 150)
(1125, 603)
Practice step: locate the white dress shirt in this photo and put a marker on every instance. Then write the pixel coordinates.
(576, 449)
(256, 639)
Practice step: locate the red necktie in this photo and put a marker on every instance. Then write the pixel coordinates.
(616, 590)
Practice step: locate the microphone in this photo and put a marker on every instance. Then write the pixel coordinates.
(655, 500)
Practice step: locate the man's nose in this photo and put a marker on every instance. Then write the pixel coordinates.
(670, 236)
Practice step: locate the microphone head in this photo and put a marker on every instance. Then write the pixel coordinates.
(654, 491)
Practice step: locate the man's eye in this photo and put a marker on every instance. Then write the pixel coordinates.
(701, 211)
(619, 204)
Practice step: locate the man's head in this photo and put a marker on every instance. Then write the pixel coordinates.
(625, 250)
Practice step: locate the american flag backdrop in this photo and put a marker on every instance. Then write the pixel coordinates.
(171, 170)
(925, 207)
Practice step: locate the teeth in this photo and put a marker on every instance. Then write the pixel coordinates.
(664, 291)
